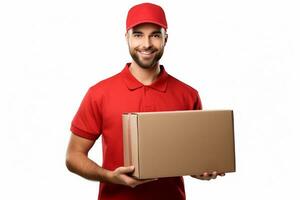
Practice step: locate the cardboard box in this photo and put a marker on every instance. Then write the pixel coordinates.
(178, 143)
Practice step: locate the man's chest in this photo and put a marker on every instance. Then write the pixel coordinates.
(142, 100)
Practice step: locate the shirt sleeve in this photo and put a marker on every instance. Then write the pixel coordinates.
(198, 103)
(87, 122)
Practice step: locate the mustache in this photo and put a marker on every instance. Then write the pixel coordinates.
(152, 49)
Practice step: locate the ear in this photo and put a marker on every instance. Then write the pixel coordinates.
(166, 38)
(127, 37)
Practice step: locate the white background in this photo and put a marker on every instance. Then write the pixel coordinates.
(240, 55)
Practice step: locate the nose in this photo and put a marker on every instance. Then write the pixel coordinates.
(147, 42)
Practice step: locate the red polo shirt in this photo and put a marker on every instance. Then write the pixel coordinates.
(100, 114)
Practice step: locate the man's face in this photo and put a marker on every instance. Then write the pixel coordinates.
(146, 44)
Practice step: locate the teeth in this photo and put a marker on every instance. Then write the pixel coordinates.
(146, 52)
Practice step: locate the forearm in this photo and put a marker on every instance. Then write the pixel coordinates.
(80, 164)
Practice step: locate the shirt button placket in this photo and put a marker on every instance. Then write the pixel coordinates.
(147, 102)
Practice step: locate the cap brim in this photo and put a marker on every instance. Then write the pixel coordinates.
(147, 21)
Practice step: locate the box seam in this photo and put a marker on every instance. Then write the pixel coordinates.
(138, 146)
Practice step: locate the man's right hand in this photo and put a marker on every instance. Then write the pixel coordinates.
(120, 176)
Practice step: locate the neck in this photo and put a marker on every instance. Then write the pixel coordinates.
(145, 76)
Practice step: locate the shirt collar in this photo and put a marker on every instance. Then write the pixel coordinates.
(132, 83)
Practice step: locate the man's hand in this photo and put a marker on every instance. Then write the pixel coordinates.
(120, 176)
(208, 176)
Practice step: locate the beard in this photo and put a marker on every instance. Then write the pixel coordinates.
(146, 63)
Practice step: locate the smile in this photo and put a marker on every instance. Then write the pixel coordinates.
(146, 54)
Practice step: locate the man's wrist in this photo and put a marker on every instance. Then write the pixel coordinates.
(105, 175)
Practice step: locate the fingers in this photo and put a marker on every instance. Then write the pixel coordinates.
(121, 175)
(208, 176)
(125, 170)
(125, 179)
(129, 181)
(132, 182)
(204, 176)
(147, 180)
(221, 174)
(214, 175)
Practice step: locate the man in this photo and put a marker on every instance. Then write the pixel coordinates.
(143, 85)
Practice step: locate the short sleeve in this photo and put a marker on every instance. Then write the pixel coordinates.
(87, 122)
(198, 103)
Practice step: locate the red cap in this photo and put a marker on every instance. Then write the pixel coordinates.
(146, 13)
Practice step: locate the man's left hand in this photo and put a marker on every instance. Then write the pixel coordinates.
(208, 176)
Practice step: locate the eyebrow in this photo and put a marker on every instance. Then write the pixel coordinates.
(140, 32)
(137, 32)
(157, 32)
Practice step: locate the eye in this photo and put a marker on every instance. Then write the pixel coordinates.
(156, 36)
(137, 35)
